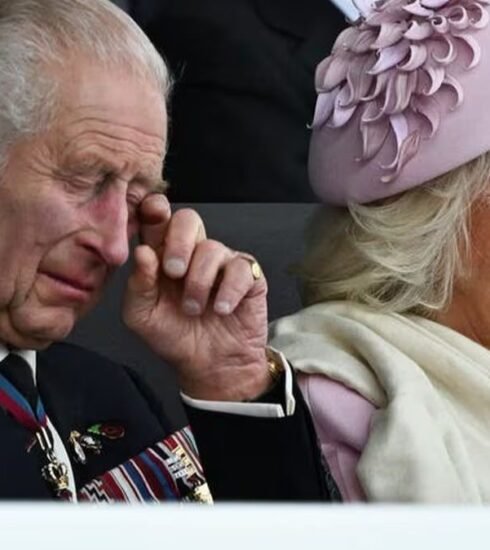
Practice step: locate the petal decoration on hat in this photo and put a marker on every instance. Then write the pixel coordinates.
(417, 57)
(358, 79)
(475, 49)
(418, 31)
(363, 42)
(455, 85)
(341, 112)
(416, 8)
(450, 55)
(481, 18)
(345, 39)
(324, 107)
(392, 64)
(429, 108)
(373, 134)
(390, 57)
(436, 75)
(389, 34)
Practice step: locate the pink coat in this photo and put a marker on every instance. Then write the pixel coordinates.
(342, 419)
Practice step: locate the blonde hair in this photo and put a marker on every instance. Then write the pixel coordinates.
(402, 254)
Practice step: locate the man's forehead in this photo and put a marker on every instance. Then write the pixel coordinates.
(120, 118)
(92, 134)
(115, 96)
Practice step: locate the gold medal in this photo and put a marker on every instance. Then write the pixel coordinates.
(54, 472)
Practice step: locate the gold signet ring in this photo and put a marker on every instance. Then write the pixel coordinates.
(257, 272)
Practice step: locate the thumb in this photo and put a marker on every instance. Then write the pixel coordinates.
(142, 289)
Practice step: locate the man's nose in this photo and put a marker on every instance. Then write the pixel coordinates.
(112, 229)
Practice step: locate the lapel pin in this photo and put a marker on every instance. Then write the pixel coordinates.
(84, 442)
(108, 430)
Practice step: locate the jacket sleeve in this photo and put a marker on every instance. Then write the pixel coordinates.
(274, 459)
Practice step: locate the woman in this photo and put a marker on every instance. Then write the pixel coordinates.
(393, 352)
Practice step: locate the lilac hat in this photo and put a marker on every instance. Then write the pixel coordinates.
(404, 97)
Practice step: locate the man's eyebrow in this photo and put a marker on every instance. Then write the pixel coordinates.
(161, 186)
(153, 185)
(84, 164)
(92, 163)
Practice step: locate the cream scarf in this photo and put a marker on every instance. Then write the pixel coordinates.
(430, 439)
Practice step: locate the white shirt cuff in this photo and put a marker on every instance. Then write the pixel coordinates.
(262, 410)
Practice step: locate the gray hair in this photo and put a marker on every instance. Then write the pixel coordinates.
(402, 254)
(37, 33)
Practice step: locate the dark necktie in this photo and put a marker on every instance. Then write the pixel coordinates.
(18, 372)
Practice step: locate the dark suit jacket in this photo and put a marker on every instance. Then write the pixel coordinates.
(243, 458)
(244, 93)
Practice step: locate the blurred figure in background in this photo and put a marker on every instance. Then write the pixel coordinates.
(243, 94)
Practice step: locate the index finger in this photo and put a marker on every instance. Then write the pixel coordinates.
(154, 215)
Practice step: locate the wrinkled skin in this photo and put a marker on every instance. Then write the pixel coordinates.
(70, 200)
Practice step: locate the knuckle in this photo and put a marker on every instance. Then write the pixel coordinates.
(187, 216)
(241, 279)
(211, 247)
(242, 267)
(197, 287)
(175, 243)
(235, 283)
(233, 290)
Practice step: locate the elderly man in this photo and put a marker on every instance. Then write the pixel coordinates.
(83, 137)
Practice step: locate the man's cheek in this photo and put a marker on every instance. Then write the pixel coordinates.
(52, 221)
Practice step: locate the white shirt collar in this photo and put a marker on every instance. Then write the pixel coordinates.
(28, 355)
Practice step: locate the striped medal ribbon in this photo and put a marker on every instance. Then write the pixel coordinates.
(54, 472)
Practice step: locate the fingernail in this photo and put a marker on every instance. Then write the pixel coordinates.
(223, 308)
(175, 267)
(191, 307)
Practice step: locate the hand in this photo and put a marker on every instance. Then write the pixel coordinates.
(196, 304)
